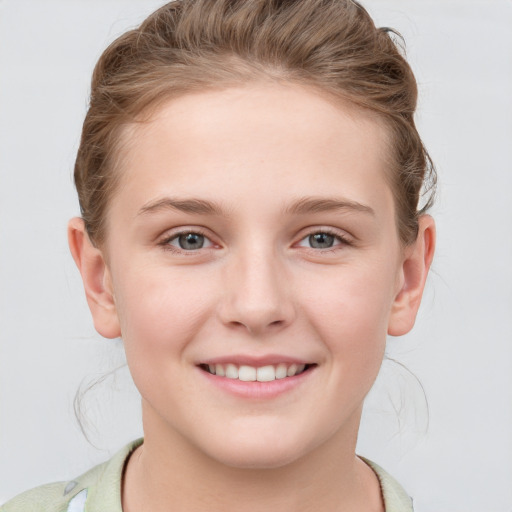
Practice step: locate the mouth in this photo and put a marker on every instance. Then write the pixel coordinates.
(246, 373)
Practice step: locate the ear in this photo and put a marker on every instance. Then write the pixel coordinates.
(96, 278)
(415, 266)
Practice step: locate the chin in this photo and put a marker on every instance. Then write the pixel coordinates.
(260, 449)
(257, 457)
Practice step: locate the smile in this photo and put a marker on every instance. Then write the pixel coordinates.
(247, 373)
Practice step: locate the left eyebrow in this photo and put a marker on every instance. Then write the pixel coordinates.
(306, 205)
(197, 206)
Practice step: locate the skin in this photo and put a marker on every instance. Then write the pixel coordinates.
(257, 288)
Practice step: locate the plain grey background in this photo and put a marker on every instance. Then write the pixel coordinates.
(458, 457)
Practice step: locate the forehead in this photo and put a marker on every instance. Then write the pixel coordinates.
(278, 140)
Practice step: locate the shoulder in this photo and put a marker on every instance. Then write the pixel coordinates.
(57, 497)
(395, 497)
(100, 486)
(47, 498)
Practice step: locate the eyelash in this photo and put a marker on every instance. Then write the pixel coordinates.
(166, 242)
(339, 237)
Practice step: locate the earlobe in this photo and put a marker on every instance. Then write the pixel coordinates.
(415, 266)
(96, 279)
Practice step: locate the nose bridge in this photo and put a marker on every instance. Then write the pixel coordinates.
(257, 290)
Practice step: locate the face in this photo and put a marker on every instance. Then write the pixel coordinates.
(254, 263)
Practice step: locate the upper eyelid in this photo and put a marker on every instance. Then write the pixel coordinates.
(170, 235)
(173, 233)
(337, 232)
(340, 238)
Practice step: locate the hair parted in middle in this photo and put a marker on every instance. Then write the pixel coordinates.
(192, 46)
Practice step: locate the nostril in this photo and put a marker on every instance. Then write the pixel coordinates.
(257, 327)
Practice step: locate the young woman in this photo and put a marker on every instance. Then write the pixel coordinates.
(249, 176)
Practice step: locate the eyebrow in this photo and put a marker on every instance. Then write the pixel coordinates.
(320, 204)
(301, 206)
(198, 206)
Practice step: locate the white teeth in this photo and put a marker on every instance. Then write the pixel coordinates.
(231, 371)
(219, 370)
(292, 370)
(265, 374)
(247, 373)
(281, 371)
(250, 373)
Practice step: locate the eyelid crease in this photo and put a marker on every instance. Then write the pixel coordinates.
(169, 236)
(329, 230)
(342, 238)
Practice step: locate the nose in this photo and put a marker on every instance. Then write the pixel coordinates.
(257, 294)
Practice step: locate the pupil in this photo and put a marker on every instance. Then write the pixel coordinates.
(321, 240)
(191, 241)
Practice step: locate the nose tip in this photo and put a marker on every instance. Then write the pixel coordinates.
(257, 298)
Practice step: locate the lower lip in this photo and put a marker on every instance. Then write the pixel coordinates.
(255, 389)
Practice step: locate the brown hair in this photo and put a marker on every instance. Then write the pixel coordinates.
(195, 45)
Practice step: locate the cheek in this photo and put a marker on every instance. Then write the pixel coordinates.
(350, 311)
(160, 311)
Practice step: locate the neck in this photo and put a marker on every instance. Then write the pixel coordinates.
(168, 469)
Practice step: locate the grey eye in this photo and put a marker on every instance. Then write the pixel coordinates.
(321, 240)
(190, 241)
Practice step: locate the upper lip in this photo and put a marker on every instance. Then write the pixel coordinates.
(254, 361)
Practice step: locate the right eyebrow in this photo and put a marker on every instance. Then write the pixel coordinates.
(197, 206)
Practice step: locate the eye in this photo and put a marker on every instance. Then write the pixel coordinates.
(189, 241)
(323, 240)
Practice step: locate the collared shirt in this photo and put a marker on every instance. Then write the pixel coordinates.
(100, 490)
